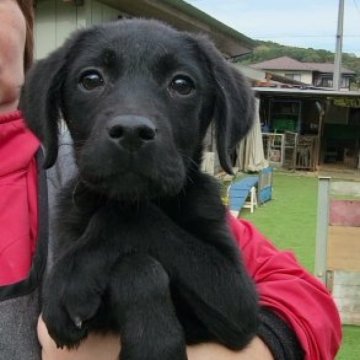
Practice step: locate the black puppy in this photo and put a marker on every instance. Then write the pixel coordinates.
(143, 244)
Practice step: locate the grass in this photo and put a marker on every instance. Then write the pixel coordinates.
(293, 212)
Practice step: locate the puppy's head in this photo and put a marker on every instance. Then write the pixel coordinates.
(137, 97)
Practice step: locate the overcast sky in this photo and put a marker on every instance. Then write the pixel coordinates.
(303, 23)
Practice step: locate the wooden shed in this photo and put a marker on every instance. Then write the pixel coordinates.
(308, 129)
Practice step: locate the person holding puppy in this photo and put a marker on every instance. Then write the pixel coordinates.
(299, 318)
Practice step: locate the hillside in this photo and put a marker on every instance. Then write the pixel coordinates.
(266, 50)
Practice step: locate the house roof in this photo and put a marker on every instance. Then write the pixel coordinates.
(281, 63)
(327, 68)
(288, 63)
(187, 17)
(306, 92)
(265, 77)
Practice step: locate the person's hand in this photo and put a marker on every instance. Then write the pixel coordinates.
(101, 347)
(256, 350)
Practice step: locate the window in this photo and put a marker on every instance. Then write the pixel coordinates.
(294, 76)
(345, 82)
(325, 81)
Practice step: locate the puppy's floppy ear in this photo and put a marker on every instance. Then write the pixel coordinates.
(234, 102)
(41, 97)
(40, 102)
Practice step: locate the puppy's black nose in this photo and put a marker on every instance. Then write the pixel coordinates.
(131, 131)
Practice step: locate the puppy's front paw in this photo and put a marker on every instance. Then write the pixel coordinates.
(81, 300)
(60, 326)
(69, 303)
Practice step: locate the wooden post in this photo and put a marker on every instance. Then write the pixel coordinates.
(322, 228)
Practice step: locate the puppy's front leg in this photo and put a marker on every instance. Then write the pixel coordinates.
(143, 312)
(73, 289)
(214, 285)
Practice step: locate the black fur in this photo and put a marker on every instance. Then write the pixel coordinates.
(144, 248)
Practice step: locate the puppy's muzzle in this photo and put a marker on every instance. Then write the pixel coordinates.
(131, 132)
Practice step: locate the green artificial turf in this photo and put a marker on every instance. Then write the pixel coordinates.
(289, 220)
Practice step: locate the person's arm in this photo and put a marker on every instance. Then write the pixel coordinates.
(256, 350)
(100, 347)
(298, 313)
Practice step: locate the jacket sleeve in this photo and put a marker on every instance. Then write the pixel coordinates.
(290, 292)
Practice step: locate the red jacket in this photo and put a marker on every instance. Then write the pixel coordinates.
(291, 292)
(18, 198)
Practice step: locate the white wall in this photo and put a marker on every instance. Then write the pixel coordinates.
(55, 20)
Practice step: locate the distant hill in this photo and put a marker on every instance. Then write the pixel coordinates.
(266, 50)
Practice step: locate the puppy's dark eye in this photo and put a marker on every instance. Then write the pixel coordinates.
(91, 80)
(182, 84)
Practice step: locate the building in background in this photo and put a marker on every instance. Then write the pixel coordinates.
(310, 129)
(315, 74)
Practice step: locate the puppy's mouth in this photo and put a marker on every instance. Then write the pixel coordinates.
(122, 180)
(151, 172)
(131, 186)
